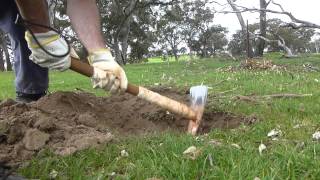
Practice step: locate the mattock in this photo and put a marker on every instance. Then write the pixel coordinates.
(194, 113)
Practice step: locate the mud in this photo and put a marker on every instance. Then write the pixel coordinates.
(66, 122)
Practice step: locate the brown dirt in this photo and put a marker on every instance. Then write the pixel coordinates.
(66, 122)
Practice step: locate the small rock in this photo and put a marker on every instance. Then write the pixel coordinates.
(199, 138)
(236, 146)
(256, 178)
(274, 133)
(300, 145)
(154, 178)
(297, 126)
(262, 147)
(192, 152)
(215, 143)
(112, 175)
(316, 136)
(53, 174)
(124, 153)
(210, 160)
(35, 139)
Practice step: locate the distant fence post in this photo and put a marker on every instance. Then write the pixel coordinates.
(249, 55)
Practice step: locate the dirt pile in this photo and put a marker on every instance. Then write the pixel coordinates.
(66, 122)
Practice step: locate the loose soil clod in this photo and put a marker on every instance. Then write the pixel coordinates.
(66, 122)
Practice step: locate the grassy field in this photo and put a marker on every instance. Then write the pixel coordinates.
(295, 155)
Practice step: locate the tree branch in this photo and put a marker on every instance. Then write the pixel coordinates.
(299, 23)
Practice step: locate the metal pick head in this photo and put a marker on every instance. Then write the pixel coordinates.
(198, 95)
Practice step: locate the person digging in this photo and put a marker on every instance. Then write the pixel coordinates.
(50, 51)
(30, 35)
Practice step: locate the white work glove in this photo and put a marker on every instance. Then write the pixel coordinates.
(54, 44)
(107, 74)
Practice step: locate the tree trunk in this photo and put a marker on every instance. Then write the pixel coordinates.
(7, 56)
(117, 52)
(124, 47)
(316, 47)
(241, 21)
(281, 43)
(263, 29)
(122, 33)
(176, 57)
(5, 51)
(124, 40)
(239, 16)
(126, 29)
(1, 51)
(190, 53)
(175, 54)
(1, 61)
(51, 10)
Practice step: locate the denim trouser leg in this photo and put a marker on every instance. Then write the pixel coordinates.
(30, 78)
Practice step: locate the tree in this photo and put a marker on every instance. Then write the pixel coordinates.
(241, 21)
(141, 38)
(315, 46)
(197, 18)
(261, 37)
(117, 18)
(211, 41)
(169, 30)
(142, 34)
(237, 44)
(297, 40)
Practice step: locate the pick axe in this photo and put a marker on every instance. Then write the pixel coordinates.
(194, 113)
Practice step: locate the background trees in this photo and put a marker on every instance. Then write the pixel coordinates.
(138, 29)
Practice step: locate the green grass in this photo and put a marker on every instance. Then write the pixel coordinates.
(161, 156)
(170, 58)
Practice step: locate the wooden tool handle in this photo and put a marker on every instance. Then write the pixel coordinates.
(143, 93)
(87, 70)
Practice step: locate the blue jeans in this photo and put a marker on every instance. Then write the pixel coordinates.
(30, 78)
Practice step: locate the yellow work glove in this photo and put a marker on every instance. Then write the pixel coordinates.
(108, 74)
(54, 44)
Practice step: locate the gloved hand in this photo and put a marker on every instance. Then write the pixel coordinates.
(108, 74)
(53, 43)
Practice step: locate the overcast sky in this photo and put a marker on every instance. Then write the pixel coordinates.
(301, 9)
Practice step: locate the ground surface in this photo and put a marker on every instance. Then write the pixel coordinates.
(66, 122)
(223, 153)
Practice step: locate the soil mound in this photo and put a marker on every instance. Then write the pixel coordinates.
(66, 122)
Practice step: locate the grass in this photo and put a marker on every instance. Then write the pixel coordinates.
(161, 155)
(160, 59)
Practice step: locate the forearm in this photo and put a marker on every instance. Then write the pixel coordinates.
(35, 11)
(85, 20)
